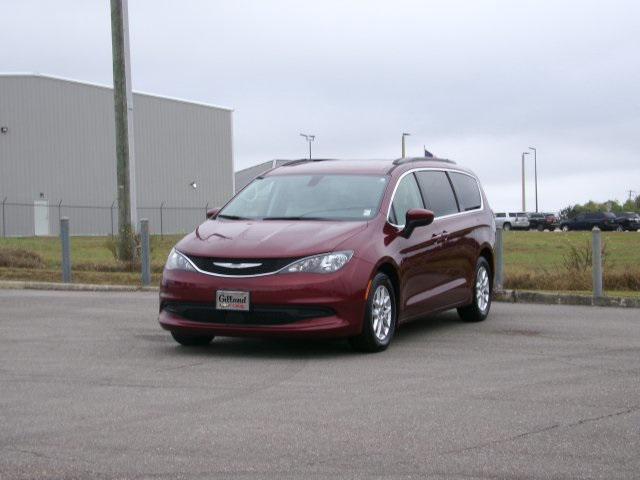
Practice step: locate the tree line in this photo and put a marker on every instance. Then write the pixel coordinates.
(631, 205)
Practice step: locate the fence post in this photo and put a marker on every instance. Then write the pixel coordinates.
(4, 231)
(66, 249)
(161, 225)
(596, 250)
(111, 216)
(499, 248)
(145, 257)
(60, 210)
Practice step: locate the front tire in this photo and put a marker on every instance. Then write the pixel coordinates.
(480, 305)
(565, 228)
(380, 317)
(191, 340)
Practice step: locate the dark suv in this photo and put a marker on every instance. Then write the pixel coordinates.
(628, 221)
(542, 221)
(330, 248)
(586, 221)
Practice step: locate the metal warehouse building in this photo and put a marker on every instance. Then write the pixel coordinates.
(57, 158)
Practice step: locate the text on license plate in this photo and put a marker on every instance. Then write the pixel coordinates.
(232, 300)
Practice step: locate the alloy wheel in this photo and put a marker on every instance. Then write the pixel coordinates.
(483, 290)
(382, 314)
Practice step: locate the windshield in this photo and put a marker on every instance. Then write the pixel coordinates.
(308, 197)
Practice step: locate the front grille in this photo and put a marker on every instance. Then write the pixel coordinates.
(263, 315)
(267, 265)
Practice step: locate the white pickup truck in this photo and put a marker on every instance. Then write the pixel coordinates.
(508, 221)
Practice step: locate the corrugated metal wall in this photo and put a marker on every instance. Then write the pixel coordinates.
(61, 144)
(244, 177)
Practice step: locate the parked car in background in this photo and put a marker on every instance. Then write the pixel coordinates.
(586, 221)
(629, 221)
(542, 221)
(502, 219)
(510, 220)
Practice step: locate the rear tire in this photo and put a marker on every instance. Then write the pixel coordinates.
(565, 228)
(191, 340)
(506, 226)
(379, 324)
(480, 305)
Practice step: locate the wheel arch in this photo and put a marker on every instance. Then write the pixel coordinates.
(390, 269)
(486, 252)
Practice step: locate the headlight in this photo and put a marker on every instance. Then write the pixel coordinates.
(325, 263)
(178, 261)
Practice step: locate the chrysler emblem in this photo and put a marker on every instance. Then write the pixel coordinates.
(236, 265)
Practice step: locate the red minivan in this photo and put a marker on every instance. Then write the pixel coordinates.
(334, 248)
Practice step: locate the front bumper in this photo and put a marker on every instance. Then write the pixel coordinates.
(187, 304)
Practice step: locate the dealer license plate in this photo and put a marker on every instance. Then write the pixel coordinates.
(232, 300)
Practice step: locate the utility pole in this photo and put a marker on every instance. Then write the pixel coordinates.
(535, 172)
(524, 203)
(123, 104)
(309, 138)
(404, 151)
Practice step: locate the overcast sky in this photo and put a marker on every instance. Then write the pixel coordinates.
(476, 81)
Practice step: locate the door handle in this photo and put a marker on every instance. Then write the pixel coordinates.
(440, 237)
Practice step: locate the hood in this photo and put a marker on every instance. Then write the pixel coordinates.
(267, 238)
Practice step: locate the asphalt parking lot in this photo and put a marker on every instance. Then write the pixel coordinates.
(90, 387)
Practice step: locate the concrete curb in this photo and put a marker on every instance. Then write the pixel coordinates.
(518, 296)
(74, 287)
(512, 296)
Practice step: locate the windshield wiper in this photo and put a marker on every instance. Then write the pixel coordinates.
(294, 218)
(232, 217)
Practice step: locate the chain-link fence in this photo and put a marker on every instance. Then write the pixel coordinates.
(42, 218)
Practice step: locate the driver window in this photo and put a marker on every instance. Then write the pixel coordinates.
(257, 198)
(407, 197)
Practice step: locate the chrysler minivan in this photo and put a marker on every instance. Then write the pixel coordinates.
(334, 249)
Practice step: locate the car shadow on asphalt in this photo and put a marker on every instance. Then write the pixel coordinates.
(250, 347)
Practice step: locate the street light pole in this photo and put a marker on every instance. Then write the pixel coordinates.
(404, 151)
(308, 138)
(524, 203)
(535, 172)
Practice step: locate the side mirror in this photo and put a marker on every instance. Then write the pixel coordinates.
(416, 217)
(212, 212)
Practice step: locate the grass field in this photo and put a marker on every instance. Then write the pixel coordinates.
(562, 261)
(533, 260)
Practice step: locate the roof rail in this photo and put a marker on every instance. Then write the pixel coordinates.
(401, 161)
(304, 160)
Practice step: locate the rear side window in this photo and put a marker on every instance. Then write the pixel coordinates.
(407, 197)
(437, 192)
(501, 215)
(467, 191)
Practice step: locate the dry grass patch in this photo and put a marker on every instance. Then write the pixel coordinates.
(20, 258)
